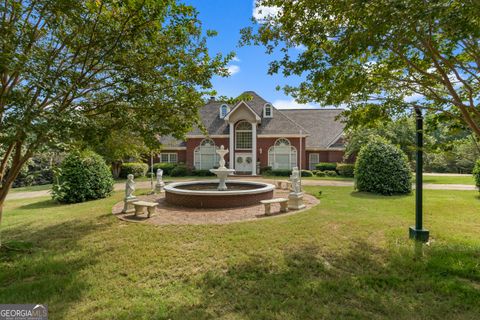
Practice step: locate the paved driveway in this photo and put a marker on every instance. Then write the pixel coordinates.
(323, 183)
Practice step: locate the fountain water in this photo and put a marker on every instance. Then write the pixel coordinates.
(222, 172)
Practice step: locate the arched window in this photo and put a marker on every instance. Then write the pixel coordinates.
(224, 109)
(282, 155)
(205, 156)
(243, 135)
(267, 111)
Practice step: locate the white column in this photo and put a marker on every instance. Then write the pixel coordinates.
(232, 147)
(254, 149)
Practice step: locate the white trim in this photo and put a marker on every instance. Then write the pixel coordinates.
(335, 139)
(257, 118)
(311, 165)
(325, 149)
(271, 153)
(232, 147)
(173, 149)
(220, 110)
(265, 106)
(169, 157)
(283, 135)
(254, 149)
(243, 130)
(191, 136)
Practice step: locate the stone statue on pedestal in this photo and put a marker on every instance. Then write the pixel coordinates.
(129, 196)
(160, 184)
(295, 198)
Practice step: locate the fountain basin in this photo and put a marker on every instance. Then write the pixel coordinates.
(204, 194)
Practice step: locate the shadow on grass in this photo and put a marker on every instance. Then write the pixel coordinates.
(44, 204)
(49, 272)
(363, 283)
(368, 195)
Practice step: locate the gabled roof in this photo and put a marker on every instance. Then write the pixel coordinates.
(319, 125)
(324, 130)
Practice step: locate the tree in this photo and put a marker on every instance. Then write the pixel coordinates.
(63, 64)
(379, 57)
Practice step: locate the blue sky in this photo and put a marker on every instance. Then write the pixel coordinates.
(249, 71)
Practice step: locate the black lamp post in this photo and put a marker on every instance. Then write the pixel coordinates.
(417, 232)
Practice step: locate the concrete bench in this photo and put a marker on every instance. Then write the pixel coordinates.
(140, 207)
(268, 203)
(285, 185)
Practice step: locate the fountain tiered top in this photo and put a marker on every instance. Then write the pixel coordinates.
(222, 172)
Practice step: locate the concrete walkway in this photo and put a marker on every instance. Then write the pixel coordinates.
(323, 183)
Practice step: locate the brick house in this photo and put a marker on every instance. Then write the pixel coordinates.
(259, 135)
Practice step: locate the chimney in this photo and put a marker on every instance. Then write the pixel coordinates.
(212, 98)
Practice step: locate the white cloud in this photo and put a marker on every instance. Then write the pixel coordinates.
(413, 97)
(233, 69)
(292, 104)
(300, 47)
(262, 12)
(236, 59)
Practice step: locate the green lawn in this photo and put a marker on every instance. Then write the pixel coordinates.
(469, 180)
(32, 188)
(348, 258)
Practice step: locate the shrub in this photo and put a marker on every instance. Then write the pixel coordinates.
(266, 170)
(180, 170)
(202, 173)
(476, 173)
(138, 169)
(330, 173)
(307, 173)
(281, 172)
(324, 166)
(345, 169)
(82, 176)
(320, 174)
(382, 168)
(165, 166)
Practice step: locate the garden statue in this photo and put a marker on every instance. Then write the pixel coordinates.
(295, 198)
(160, 184)
(222, 172)
(295, 180)
(129, 196)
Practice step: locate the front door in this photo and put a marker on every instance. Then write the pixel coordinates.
(243, 162)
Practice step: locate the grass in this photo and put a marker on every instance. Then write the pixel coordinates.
(32, 188)
(440, 179)
(348, 258)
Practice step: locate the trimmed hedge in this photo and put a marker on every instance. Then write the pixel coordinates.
(326, 166)
(345, 169)
(82, 176)
(476, 173)
(138, 169)
(307, 173)
(382, 168)
(202, 173)
(320, 174)
(330, 173)
(180, 170)
(165, 166)
(281, 172)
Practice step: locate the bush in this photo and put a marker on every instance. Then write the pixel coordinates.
(281, 172)
(345, 169)
(476, 173)
(165, 166)
(320, 174)
(202, 173)
(307, 173)
(326, 166)
(330, 173)
(82, 176)
(382, 168)
(180, 170)
(138, 169)
(266, 170)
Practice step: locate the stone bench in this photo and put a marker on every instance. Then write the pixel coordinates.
(285, 185)
(268, 203)
(140, 207)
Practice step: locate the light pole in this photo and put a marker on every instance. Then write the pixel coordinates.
(417, 232)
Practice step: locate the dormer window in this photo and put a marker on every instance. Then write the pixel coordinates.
(268, 111)
(224, 109)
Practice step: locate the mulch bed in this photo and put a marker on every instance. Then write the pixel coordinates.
(169, 214)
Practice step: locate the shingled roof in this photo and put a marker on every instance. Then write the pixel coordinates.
(319, 125)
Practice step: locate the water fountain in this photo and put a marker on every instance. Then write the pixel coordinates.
(218, 194)
(222, 172)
